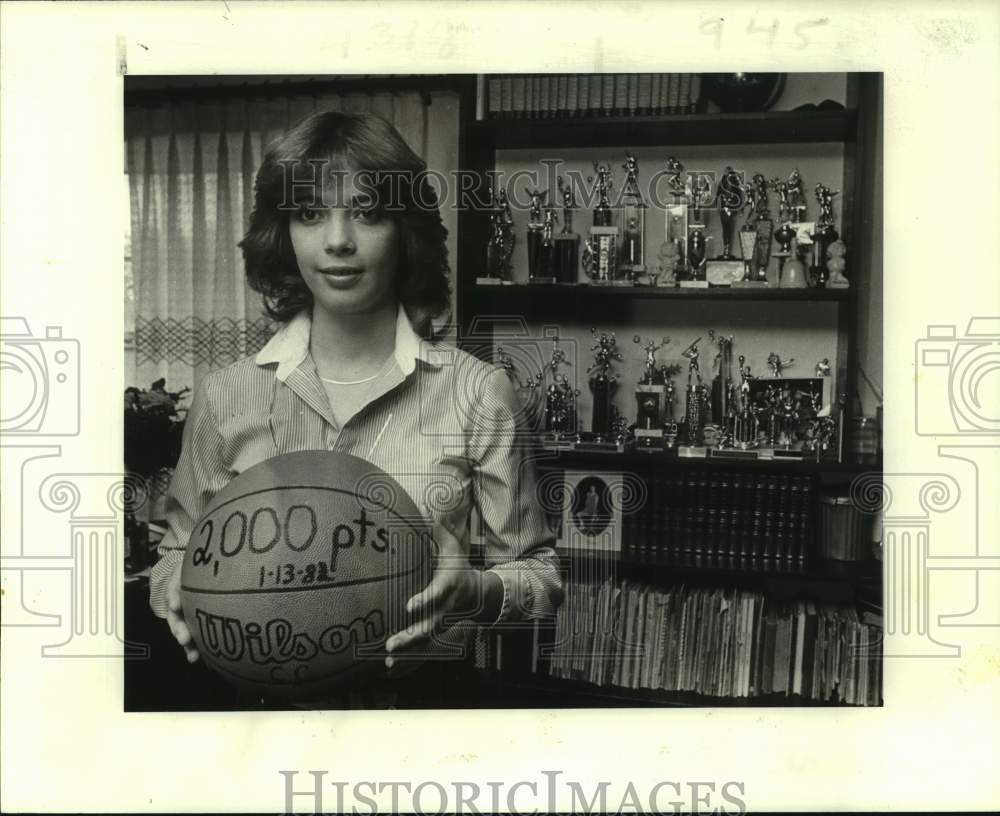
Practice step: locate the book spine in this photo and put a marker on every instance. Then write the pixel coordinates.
(621, 94)
(633, 94)
(562, 95)
(608, 95)
(518, 89)
(506, 96)
(695, 93)
(493, 96)
(644, 95)
(684, 94)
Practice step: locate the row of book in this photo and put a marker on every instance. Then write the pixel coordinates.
(722, 514)
(723, 643)
(510, 96)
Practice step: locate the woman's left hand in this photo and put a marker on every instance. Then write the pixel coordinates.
(456, 590)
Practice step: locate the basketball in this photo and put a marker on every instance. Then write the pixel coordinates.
(298, 572)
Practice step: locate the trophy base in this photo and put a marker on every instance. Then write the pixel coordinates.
(541, 279)
(649, 439)
(691, 452)
(750, 284)
(694, 284)
(732, 453)
(492, 282)
(724, 271)
(595, 445)
(780, 453)
(557, 442)
(611, 283)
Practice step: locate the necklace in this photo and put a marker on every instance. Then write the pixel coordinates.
(361, 381)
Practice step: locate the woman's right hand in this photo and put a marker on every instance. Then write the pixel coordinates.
(175, 616)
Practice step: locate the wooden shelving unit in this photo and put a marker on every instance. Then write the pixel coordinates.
(479, 307)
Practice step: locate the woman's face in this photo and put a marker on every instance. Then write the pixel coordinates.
(347, 255)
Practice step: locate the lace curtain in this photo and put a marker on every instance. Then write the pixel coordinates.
(190, 169)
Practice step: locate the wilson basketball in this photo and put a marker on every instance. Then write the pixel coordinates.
(300, 569)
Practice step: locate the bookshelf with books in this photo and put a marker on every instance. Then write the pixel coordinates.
(723, 582)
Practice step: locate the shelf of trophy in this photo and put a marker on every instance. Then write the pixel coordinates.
(649, 458)
(783, 127)
(526, 295)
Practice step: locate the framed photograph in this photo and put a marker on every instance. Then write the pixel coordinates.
(592, 517)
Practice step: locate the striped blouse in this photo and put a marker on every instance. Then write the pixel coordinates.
(441, 422)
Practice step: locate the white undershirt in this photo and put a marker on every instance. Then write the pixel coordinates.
(346, 399)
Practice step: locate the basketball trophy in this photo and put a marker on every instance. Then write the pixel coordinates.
(650, 395)
(633, 221)
(567, 242)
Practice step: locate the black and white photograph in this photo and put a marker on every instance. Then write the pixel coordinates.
(524, 407)
(364, 314)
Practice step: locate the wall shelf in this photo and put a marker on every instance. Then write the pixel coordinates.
(518, 294)
(786, 127)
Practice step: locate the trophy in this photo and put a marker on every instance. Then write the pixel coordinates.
(826, 233)
(560, 403)
(784, 234)
(725, 269)
(602, 213)
(500, 248)
(547, 254)
(633, 221)
(764, 228)
(796, 198)
(777, 365)
(567, 242)
(650, 395)
(602, 386)
(697, 241)
(722, 388)
(677, 221)
(696, 409)
(536, 228)
(601, 250)
(745, 422)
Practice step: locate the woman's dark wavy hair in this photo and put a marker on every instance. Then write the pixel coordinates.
(392, 172)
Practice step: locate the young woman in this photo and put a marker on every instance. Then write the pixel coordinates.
(347, 248)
